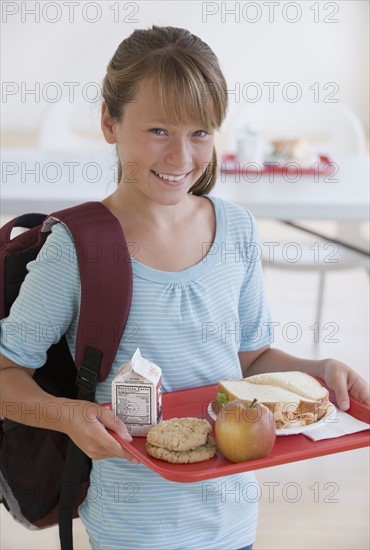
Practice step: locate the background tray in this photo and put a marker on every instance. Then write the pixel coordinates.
(194, 402)
(323, 166)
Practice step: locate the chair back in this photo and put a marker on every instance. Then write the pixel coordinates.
(330, 129)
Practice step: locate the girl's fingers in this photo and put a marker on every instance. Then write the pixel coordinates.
(110, 447)
(89, 432)
(360, 390)
(110, 421)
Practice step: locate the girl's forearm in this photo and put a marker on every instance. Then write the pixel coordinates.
(272, 360)
(22, 400)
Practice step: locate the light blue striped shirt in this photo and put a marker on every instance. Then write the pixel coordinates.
(192, 324)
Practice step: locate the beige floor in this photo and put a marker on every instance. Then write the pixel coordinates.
(318, 504)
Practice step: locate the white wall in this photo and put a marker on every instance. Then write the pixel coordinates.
(327, 45)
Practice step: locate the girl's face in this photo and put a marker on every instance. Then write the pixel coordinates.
(161, 161)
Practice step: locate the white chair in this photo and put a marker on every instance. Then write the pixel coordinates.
(332, 130)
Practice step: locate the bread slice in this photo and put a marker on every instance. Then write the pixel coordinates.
(289, 408)
(295, 381)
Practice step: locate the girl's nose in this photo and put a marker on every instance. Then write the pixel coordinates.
(179, 153)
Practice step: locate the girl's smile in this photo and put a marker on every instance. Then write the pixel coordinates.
(172, 180)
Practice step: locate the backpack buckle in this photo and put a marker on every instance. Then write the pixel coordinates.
(87, 375)
(86, 379)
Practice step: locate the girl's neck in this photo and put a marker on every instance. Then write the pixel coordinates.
(131, 206)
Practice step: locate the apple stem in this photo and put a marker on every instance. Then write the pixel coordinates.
(253, 402)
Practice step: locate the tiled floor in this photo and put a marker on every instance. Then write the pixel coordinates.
(318, 504)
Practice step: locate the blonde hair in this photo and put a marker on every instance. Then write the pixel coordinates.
(187, 75)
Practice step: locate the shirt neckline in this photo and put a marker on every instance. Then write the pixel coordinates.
(195, 271)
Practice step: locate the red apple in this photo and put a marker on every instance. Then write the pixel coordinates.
(245, 432)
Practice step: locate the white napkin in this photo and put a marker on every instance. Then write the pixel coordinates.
(335, 426)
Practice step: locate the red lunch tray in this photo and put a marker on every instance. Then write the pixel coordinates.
(292, 448)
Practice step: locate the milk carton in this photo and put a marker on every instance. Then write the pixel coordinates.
(137, 395)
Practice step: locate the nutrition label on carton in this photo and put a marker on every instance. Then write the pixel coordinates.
(137, 394)
(134, 403)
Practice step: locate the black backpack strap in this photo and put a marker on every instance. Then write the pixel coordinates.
(106, 290)
(75, 459)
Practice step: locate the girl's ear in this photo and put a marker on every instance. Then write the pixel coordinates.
(108, 124)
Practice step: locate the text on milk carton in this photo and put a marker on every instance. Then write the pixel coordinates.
(137, 394)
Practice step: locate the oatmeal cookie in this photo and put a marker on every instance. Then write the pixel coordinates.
(197, 454)
(179, 434)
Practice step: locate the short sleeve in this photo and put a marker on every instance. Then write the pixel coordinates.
(254, 311)
(48, 302)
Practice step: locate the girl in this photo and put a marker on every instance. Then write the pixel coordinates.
(164, 98)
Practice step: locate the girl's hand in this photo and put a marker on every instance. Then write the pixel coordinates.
(87, 425)
(345, 381)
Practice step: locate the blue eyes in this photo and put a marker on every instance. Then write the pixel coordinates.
(157, 131)
(161, 132)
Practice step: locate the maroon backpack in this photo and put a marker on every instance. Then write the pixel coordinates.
(44, 476)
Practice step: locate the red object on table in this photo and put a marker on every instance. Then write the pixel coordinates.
(194, 402)
(231, 165)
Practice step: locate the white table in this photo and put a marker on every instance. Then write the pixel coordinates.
(41, 181)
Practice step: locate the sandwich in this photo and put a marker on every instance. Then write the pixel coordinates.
(295, 398)
(291, 150)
